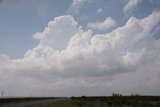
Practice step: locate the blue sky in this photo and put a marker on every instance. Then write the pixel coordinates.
(20, 19)
(77, 47)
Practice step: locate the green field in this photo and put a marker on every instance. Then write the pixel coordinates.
(114, 101)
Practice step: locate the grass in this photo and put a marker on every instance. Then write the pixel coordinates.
(62, 103)
(96, 101)
(114, 101)
(17, 100)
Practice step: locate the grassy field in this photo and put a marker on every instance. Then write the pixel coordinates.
(95, 101)
(16, 100)
(114, 101)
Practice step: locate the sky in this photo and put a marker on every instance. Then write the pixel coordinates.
(79, 47)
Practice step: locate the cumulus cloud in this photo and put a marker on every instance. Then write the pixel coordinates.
(104, 25)
(58, 32)
(130, 6)
(71, 61)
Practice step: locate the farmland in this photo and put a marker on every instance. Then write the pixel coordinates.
(90, 101)
(112, 101)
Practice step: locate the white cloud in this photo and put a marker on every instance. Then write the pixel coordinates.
(130, 6)
(132, 58)
(104, 25)
(58, 32)
(75, 6)
(70, 61)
